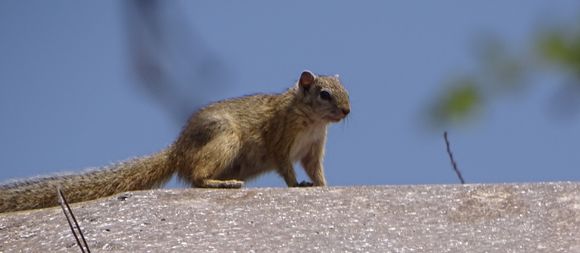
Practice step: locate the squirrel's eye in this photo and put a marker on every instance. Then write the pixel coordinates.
(325, 95)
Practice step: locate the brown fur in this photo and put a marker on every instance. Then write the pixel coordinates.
(221, 146)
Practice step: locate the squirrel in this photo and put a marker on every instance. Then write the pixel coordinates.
(221, 146)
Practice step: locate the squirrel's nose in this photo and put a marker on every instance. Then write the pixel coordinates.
(345, 111)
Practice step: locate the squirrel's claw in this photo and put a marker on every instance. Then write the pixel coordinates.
(305, 184)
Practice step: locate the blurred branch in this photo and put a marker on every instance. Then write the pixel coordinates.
(503, 71)
(169, 60)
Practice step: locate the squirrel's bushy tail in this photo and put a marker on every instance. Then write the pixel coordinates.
(136, 174)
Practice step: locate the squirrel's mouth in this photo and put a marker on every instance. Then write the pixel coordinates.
(337, 114)
(335, 117)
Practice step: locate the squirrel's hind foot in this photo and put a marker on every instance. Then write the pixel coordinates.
(230, 184)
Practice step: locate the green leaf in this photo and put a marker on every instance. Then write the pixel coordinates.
(458, 103)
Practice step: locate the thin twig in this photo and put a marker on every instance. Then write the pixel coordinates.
(69, 214)
(453, 160)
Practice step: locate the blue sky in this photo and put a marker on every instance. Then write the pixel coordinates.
(68, 98)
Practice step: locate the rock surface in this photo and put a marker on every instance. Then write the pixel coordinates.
(542, 217)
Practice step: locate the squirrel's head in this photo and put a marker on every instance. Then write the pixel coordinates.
(326, 96)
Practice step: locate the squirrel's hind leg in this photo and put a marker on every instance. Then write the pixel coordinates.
(214, 160)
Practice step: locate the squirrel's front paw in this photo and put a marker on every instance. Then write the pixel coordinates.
(305, 184)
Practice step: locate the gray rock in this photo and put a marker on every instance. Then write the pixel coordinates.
(543, 217)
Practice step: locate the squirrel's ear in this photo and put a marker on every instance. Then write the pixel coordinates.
(337, 76)
(306, 79)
